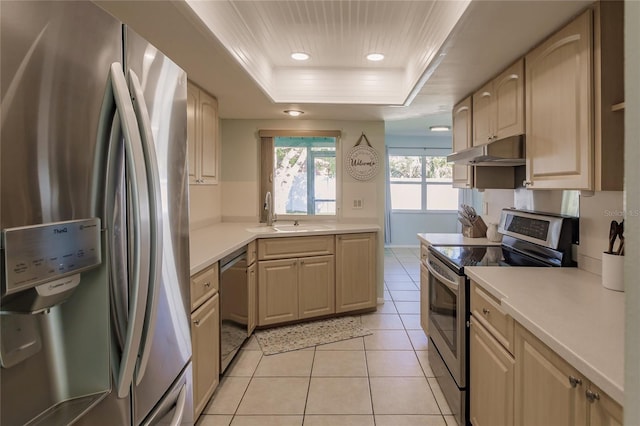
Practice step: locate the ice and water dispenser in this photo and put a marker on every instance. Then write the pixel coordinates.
(54, 322)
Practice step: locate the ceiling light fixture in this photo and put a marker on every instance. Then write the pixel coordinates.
(375, 57)
(293, 112)
(300, 56)
(440, 128)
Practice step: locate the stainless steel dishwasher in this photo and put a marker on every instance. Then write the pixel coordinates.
(234, 305)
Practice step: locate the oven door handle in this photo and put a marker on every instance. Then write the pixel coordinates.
(451, 284)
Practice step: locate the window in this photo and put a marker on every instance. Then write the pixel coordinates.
(304, 179)
(421, 183)
(299, 169)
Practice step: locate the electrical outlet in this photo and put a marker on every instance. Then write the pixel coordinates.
(358, 203)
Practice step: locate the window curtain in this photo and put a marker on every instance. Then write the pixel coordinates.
(387, 207)
(266, 173)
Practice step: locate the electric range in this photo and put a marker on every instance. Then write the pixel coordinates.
(529, 239)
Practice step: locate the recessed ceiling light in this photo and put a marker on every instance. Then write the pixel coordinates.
(293, 112)
(440, 128)
(375, 57)
(300, 56)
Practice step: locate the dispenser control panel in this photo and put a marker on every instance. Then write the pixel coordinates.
(33, 255)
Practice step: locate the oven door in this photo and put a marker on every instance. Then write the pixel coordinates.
(447, 317)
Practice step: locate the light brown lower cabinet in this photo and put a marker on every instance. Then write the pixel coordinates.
(355, 272)
(205, 341)
(492, 371)
(252, 299)
(424, 298)
(292, 289)
(277, 291)
(603, 411)
(551, 392)
(316, 288)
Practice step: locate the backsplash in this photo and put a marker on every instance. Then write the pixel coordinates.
(596, 214)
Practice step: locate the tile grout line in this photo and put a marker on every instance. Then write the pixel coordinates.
(306, 400)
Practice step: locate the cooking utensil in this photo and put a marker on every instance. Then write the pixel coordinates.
(620, 233)
(468, 212)
(613, 233)
(464, 221)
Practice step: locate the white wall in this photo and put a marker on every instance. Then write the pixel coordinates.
(596, 214)
(496, 199)
(205, 205)
(632, 207)
(405, 226)
(241, 171)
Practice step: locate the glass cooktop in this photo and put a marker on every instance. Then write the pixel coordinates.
(457, 257)
(462, 256)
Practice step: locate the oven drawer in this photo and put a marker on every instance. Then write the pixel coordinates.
(204, 285)
(487, 310)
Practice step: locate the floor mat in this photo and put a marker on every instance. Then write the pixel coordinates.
(299, 336)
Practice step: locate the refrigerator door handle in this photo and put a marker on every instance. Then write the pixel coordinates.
(155, 205)
(114, 221)
(140, 229)
(180, 405)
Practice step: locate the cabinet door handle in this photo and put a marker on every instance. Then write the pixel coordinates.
(592, 396)
(527, 183)
(207, 284)
(575, 381)
(196, 322)
(486, 311)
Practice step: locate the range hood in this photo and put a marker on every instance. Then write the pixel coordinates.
(503, 152)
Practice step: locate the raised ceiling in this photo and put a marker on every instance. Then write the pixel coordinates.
(261, 35)
(488, 36)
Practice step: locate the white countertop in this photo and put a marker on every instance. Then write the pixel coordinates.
(210, 244)
(454, 240)
(568, 310)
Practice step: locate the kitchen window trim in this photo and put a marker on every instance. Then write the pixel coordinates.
(267, 145)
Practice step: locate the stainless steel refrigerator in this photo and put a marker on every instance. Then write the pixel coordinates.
(94, 215)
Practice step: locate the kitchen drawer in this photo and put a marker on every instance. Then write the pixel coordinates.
(252, 253)
(423, 253)
(204, 285)
(293, 247)
(487, 310)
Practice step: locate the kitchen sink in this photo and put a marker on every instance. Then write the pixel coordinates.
(300, 228)
(261, 229)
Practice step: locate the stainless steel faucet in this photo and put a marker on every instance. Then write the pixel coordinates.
(268, 206)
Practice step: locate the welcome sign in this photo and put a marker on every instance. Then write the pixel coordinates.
(362, 160)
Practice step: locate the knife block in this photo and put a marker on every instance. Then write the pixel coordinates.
(477, 230)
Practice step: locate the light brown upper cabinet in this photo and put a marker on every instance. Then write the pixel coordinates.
(202, 136)
(462, 175)
(608, 55)
(498, 106)
(559, 93)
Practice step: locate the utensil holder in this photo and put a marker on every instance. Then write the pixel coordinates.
(477, 230)
(613, 271)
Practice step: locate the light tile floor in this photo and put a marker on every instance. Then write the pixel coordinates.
(383, 379)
